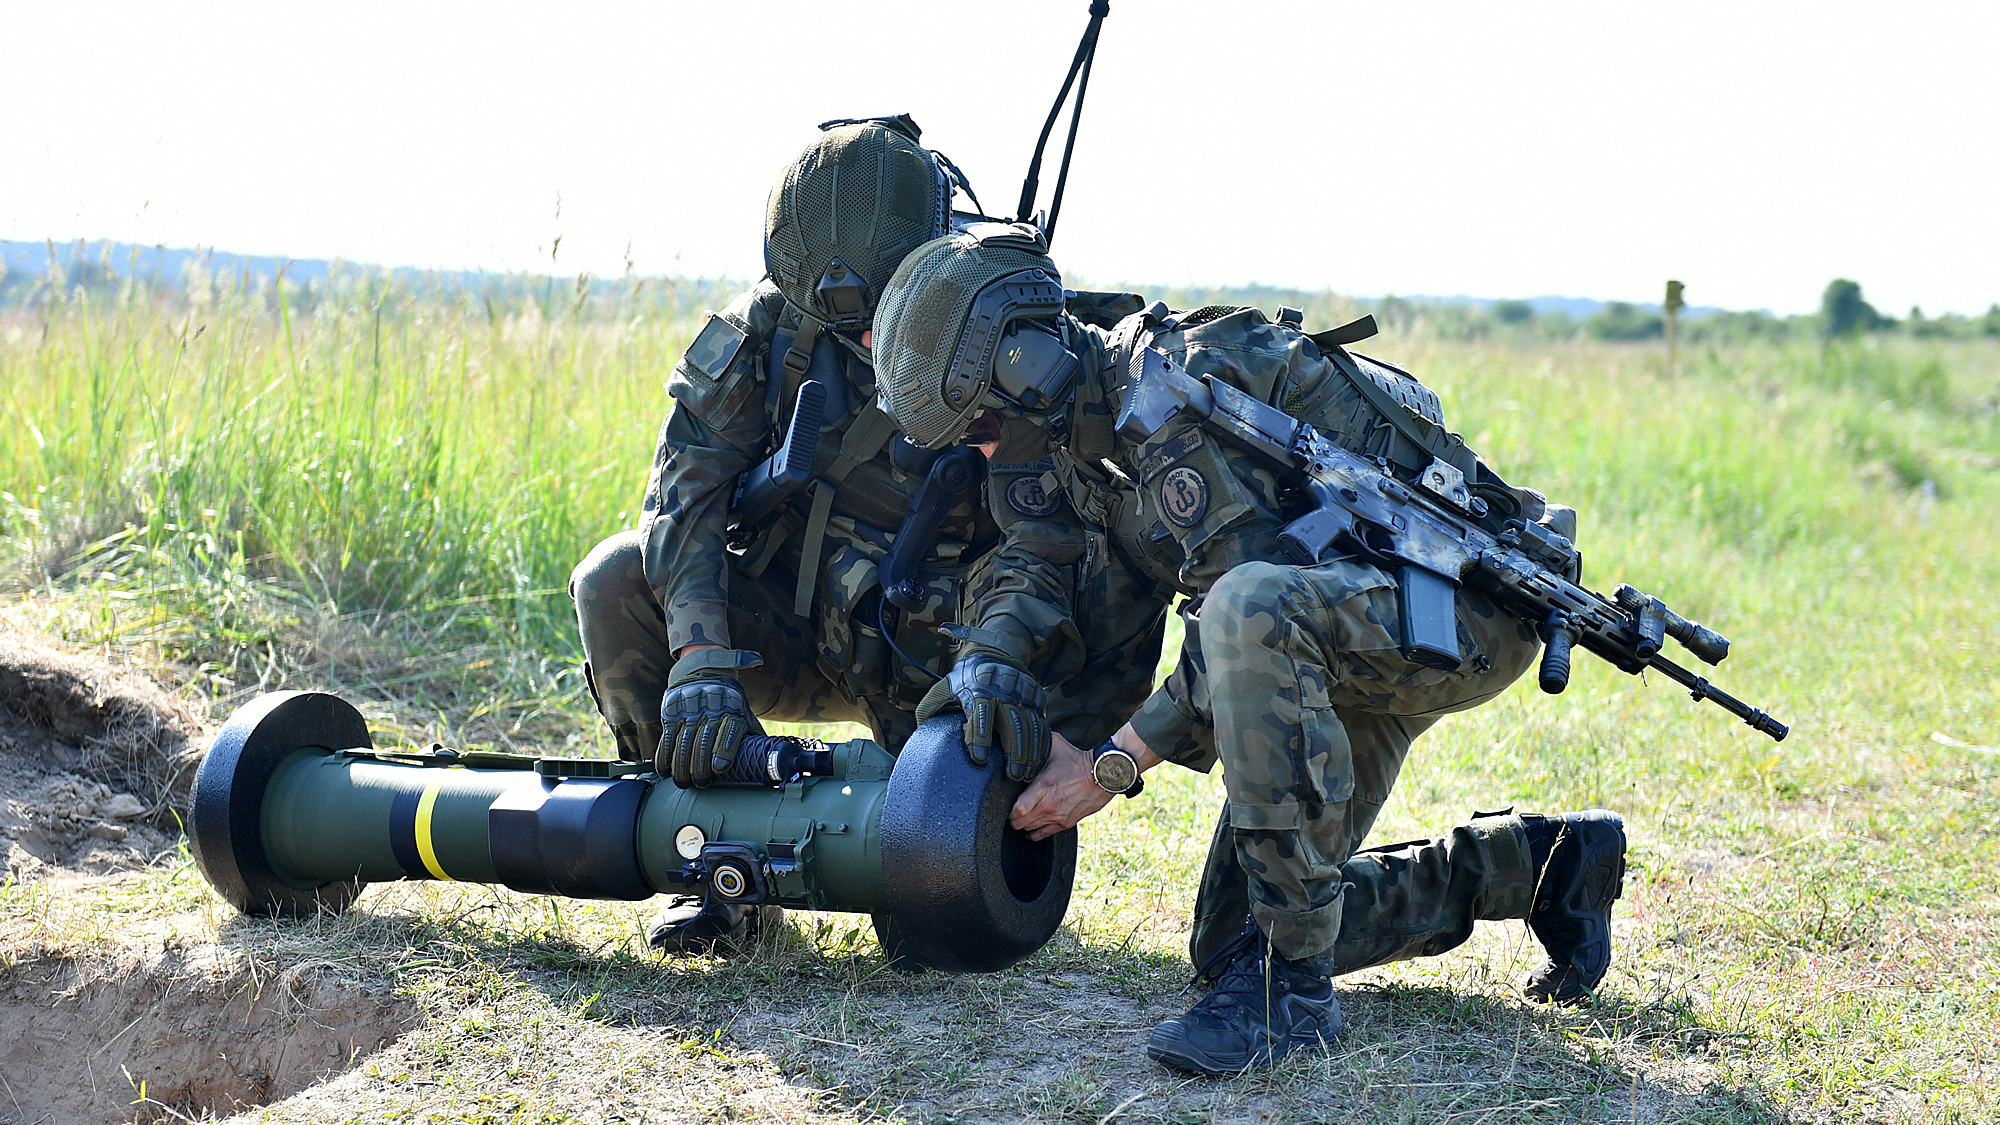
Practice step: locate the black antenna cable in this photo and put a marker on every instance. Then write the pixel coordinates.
(1086, 52)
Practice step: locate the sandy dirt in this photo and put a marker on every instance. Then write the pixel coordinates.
(175, 1032)
(94, 761)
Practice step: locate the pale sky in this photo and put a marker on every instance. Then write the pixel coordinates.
(1753, 150)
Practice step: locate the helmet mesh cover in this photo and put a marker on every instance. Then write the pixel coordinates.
(922, 319)
(864, 194)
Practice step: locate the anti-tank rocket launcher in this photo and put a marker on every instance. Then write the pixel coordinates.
(1433, 535)
(294, 811)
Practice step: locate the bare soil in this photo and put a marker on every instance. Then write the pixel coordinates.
(94, 758)
(95, 761)
(176, 1032)
(55, 820)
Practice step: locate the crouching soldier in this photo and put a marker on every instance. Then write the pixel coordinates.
(1293, 677)
(717, 612)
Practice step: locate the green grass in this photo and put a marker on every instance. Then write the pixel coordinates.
(1811, 930)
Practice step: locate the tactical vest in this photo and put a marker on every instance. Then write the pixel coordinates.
(844, 525)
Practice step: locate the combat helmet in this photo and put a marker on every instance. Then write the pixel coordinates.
(846, 212)
(969, 323)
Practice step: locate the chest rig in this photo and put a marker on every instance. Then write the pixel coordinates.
(1371, 407)
(909, 536)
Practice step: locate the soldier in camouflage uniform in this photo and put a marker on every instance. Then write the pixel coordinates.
(1291, 676)
(687, 644)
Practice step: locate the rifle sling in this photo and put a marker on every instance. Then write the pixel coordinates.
(870, 431)
(799, 357)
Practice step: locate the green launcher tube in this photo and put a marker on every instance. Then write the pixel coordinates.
(295, 811)
(350, 815)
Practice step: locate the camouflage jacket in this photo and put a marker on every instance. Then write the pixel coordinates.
(728, 415)
(1201, 508)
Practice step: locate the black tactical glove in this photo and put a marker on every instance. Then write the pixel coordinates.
(704, 716)
(1002, 704)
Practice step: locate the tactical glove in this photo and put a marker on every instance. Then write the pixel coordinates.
(1003, 705)
(704, 716)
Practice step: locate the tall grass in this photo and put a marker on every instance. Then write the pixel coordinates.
(381, 461)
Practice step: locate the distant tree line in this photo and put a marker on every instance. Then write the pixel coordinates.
(1843, 314)
(200, 278)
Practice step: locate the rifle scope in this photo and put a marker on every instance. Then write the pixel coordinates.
(294, 811)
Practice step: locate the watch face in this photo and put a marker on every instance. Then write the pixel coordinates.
(1115, 771)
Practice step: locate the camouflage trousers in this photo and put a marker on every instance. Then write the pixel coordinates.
(626, 659)
(1313, 708)
(1121, 616)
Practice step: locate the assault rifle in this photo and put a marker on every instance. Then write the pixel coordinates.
(1433, 537)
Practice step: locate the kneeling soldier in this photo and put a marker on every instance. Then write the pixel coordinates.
(1294, 677)
(710, 616)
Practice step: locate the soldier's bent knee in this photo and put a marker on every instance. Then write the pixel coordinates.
(1253, 588)
(614, 569)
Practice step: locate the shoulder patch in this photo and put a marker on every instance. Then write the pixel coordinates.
(1184, 495)
(1026, 495)
(1173, 449)
(715, 347)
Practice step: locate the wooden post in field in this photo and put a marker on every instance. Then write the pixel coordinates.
(1673, 306)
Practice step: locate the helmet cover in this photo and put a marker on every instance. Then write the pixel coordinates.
(943, 317)
(846, 212)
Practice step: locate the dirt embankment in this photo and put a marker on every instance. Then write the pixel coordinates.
(175, 1033)
(96, 762)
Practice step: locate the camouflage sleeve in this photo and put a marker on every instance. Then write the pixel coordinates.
(1020, 597)
(687, 508)
(1168, 722)
(714, 433)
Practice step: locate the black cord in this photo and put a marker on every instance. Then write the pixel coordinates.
(881, 623)
(1069, 146)
(1085, 49)
(964, 184)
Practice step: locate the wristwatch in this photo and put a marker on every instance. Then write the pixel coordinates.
(1115, 771)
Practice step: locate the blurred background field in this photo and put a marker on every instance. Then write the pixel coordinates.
(378, 485)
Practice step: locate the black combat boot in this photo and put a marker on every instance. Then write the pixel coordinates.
(1263, 1007)
(689, 925)
(1579, 863)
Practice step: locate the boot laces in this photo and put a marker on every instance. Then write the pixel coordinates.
(1221, 964)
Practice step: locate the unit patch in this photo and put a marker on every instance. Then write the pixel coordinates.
(1026, 495)
(1184, 496)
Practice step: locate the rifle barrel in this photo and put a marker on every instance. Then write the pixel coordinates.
(1701, 689)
